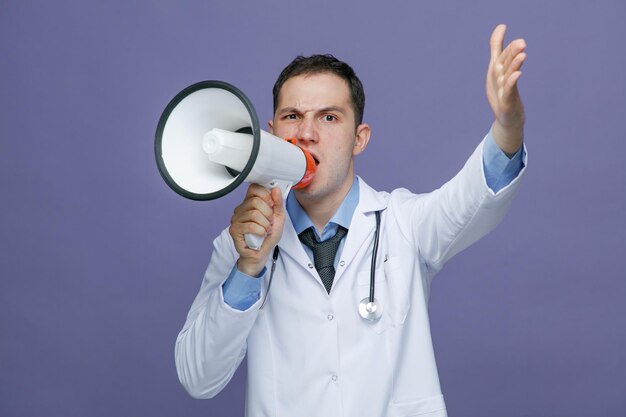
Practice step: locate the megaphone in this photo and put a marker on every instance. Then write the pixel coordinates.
(208, 142)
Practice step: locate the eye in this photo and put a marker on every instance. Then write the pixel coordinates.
(330, 118)
(291, 116)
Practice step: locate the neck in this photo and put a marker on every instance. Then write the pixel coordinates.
(321, 210)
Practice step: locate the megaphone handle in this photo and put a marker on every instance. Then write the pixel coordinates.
(255, 241)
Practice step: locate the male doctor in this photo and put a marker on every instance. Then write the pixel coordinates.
(310, 353)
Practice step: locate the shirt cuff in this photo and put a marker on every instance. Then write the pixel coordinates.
(499, 169)
(240, 290)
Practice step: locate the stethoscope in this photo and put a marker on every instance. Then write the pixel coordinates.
(369, 307)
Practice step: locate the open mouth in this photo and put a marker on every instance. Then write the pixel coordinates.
(317, 161)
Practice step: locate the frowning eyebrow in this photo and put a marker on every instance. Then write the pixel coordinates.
(329, 109)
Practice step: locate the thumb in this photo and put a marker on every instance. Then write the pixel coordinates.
(278, 218)
(277, 198)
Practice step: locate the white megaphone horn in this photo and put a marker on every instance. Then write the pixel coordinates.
(208, 142)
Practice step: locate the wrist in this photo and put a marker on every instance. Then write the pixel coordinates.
(250, 268)
(509, 139)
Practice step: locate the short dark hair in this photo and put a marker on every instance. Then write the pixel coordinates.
(316, 64)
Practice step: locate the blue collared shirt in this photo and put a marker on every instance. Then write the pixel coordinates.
(342, 217)
(241, 291)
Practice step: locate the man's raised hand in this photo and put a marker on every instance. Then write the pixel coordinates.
(502, 93)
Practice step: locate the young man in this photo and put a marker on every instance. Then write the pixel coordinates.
(310, 352)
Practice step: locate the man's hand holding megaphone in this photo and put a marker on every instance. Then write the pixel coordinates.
(261, 213)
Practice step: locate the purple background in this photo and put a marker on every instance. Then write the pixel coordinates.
(100, 260)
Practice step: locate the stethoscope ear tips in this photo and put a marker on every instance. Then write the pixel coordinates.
(370, 310)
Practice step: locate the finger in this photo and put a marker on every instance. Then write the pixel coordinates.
(261, 192)
(253, 216)
(509, 93)
(255, 203)
(497, 41)
(242, 229)
(511, 82)
(512, 50)
(515, 65)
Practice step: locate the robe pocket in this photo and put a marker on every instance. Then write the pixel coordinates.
(391, 291)
(425, 407)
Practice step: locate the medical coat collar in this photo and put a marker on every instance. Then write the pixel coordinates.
(342, 217)
(361, 228)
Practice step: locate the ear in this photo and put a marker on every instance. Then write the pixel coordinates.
(270, 126)
(362, 138)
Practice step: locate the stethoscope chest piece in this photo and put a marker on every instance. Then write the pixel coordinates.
(370, 310)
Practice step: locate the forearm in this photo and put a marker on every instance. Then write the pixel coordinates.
(463, 210)
(500, 169)
(209, 349)
(212, 342)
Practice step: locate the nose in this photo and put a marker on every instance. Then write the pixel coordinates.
(307, 131)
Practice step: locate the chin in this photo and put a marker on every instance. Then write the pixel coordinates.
(306, 192)
(312, 191)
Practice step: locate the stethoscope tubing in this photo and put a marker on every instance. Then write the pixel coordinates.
(269, 283)
(371, 300)
(374, 254)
